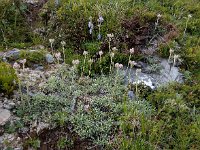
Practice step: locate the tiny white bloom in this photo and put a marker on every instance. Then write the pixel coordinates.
(51, 41)
(23, 61)
(16, 65)
(75, 62)
(117, 65)
(112, 54)
(132, 63)
(85, 53)
(58, 55)
(114, 49)
(63, 43)
(100, 53)
(120, 66)
(110, 35)
(189, 16)
(159, 15)
(90, 61)
(132, 50)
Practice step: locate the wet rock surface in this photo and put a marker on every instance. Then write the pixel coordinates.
(168, 73)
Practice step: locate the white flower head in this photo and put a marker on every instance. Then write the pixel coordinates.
(176, 57)
(16, 66)
(51, 41)
(63, 43)
(120, 66)
(90, 61)
(171, 51)
(114, 49)
(110, 35)
(85, 52)
(132, 50)
(117, 65)
(189, 16)
(75, 62)
(132, 63)
(23, 61)
(58, 55)
(100, 53)
(112, 54)
(159, 15)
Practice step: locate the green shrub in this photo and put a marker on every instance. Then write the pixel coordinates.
(14, 27)
(33, 57)
(8, 78)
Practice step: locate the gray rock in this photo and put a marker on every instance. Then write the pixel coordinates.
(23, 130)
(131, 95)
(49, 58)
(13, 54)
(9, 106)
(4, 59)
(4, 116)
(41, 68)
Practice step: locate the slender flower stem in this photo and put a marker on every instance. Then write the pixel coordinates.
(111, 62)
(128, 62)
(83, 67)
(64, 55)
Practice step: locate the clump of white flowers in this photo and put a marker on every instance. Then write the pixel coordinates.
(75, 62)
(58, 56)
(132, 63)
(16, 66)
(157, 20)
(118, 66)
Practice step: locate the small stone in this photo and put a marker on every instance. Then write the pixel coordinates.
(131, 95)
(4, 116)
(13, 54)
(41, 68)
(23, 130)
(9, 106)
(49, 58)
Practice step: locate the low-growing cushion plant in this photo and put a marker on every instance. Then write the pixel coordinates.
(8, 78)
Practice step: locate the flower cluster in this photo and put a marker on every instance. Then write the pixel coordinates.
(118, 66)
(75, 62)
